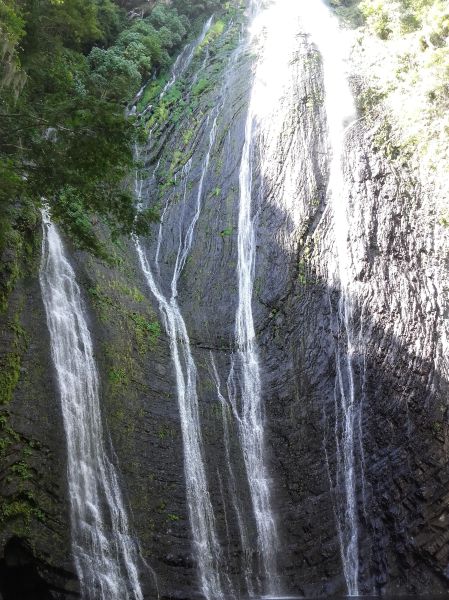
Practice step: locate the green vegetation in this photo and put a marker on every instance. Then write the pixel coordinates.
(7, 435)
(24, 509)
(67, 70)
(202, 85)
(11, 361)
(402, 55)
(185, 104)
(119, 376)
(348, 11)
(388, 19)
(144, 327)
(227, 232)
(147, 332)
(304, 273)
(173, 517)
(166, 432)
(18, 506)
(214, 32)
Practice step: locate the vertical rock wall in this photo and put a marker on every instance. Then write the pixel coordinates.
(399, 253)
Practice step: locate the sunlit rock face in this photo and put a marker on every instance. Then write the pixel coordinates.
(388, 336)
(296, 303)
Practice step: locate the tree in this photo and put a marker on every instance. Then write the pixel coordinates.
(115, 76)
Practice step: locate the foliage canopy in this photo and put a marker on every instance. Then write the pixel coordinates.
(67, 70)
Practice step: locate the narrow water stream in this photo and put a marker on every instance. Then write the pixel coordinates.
(200, 508)
(333, 46)
(201, 514)
(105, 552)
(273, 38)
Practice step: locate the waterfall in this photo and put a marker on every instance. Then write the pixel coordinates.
(105, 553)
(202, 520)
(185, 58)
(274, 32)
(180, 66)
(201, 513)
(332, 44)
(200, 508)
(229, 409)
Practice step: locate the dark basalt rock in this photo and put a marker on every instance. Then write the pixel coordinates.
(24, 577)
(402, 372)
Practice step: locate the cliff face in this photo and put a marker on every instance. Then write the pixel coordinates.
(398, 254)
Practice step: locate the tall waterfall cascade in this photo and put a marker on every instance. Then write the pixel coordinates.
(272, 35)
(199, 504)
(275, 33)
(224, 307)
(244, 382)
(202, 520)
(333, 45)
(273, 38)
(106, 554)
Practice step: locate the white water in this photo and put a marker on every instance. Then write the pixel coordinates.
(200, 508)
(274, 34)
(202, 520)
(228, 409)
(184, 59)
(106, 555)
(180, 66)
(333, 45)
(207, 548)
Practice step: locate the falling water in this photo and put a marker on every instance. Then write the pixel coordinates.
(105, 554)
(200, 508)
(185, 58)
(201, 513)
(332, 44)
(228, 409)
(180, 66)
(274, 34)
(202, 520)
(198, 499)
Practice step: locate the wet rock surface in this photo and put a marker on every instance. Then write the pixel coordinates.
(399, 255)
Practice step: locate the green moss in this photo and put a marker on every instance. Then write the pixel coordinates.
(173, 517)
(9, 376)
(444, 219)
(147, 333)
(213, 34)
(22, 510)
(201, 86)
(20, 507)
(349, 12)
(18, 247)
(437, 428)
(304, 276)
(369, 99)
(11, 362)
(187, 136)
(227, 232)
(145, 328)
(118, 376)
(21, 470)
(8, 436)
(132, 292)
(166, 432)
(384, 141)
(11, 269)
(257, 286)
(314, 99)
